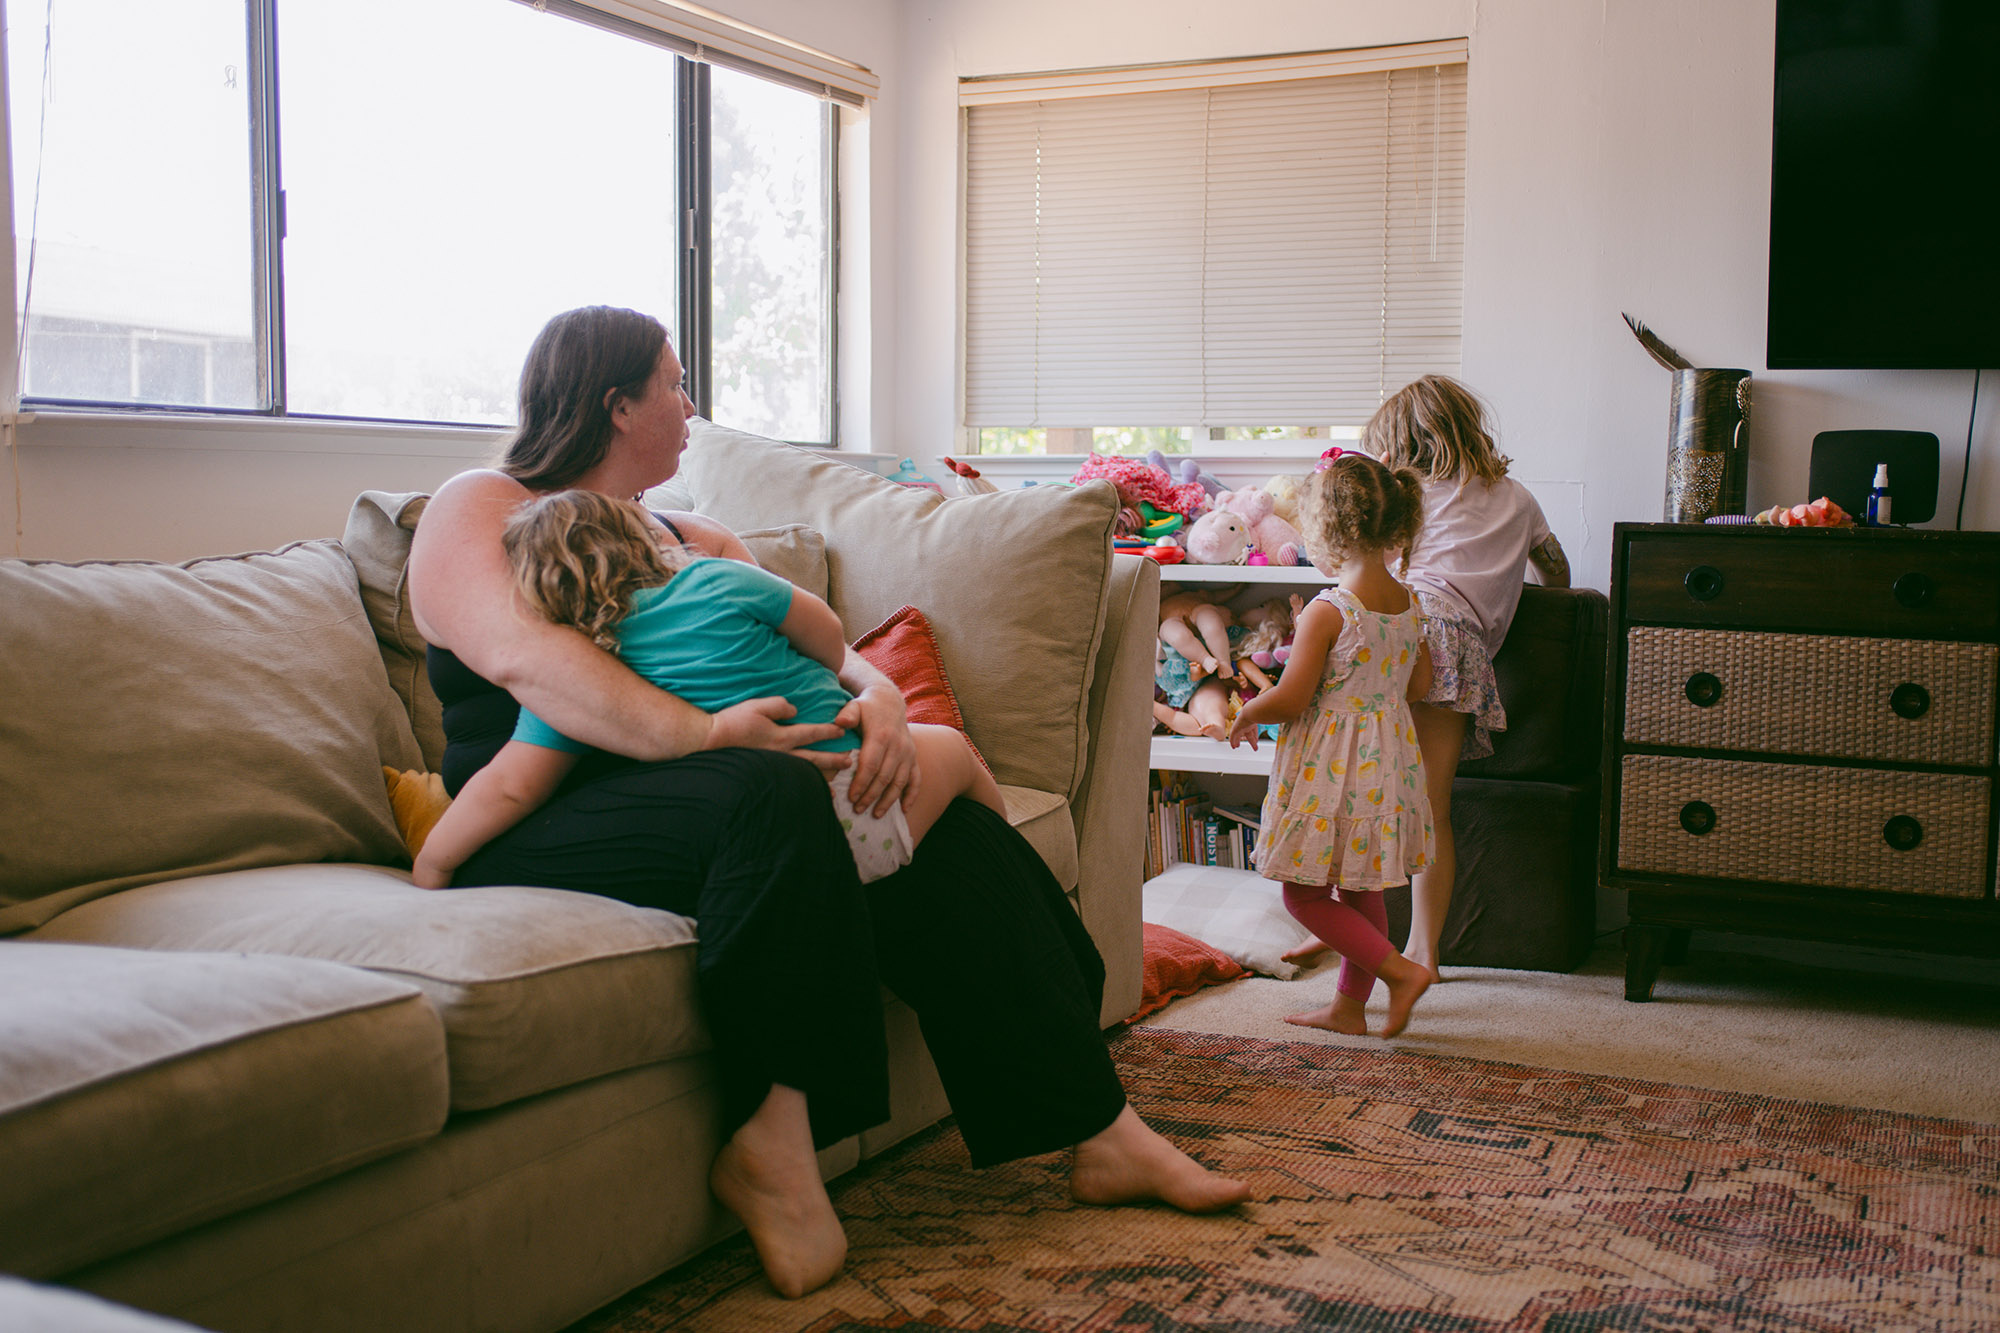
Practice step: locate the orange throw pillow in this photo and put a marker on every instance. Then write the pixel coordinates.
(904, 649)
(1177, 965)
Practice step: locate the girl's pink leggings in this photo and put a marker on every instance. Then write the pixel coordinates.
(1354, 922)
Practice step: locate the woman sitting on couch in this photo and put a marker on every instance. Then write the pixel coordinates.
(726, 819)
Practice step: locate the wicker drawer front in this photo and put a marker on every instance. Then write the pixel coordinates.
(1819, 581)
(1794, 824)
(1911, 700)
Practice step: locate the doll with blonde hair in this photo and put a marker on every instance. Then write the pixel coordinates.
(1483, 532)
(713, 631)
(1346, 815)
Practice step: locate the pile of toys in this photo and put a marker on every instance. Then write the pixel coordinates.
(1196, 518)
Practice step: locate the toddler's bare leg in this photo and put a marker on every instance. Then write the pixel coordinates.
(950, 771)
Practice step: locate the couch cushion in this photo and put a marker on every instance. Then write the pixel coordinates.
(538, 988)
(1013, 582)
(1551, 674)
(377, 540)
(164, 720)
(141, 1093)
(792, 551)
(26, 1307)
(1044, 819)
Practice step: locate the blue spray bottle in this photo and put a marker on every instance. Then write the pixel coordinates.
(1878, 498)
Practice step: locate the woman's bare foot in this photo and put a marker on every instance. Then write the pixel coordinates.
(768, 1176)
(1311, 949)
(1346, 1014)
(1407, 981)
(1129, 1162)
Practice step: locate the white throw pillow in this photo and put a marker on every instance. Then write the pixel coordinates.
(1239, 913)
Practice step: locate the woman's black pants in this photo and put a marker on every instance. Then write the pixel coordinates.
(974, 935)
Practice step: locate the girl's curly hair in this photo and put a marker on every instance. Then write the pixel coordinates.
(578, 557)
(1435, 425)
(1354, 503)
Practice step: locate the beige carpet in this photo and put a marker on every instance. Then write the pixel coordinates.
(1735, 1022)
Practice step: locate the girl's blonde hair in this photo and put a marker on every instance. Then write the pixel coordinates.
(1435, 425)
(1354, 503)
(578, 557)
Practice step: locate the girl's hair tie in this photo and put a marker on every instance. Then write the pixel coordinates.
(1326, 459)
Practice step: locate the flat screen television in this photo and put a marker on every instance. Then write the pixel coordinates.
(1885, 246)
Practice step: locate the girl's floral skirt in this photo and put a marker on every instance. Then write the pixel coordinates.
(1462, 674)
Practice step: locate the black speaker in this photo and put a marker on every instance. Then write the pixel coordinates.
(1843, 467)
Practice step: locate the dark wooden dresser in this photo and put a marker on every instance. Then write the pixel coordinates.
(1799, 737)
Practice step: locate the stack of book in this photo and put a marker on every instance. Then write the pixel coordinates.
(1186, 826)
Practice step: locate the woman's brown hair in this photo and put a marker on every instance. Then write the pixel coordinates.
(1435, 425)
(578, 558)
(1354, 503)
(582, 362)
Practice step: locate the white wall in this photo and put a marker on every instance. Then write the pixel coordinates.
(1619, 160)
(173, 488)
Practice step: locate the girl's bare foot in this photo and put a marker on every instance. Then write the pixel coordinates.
(768, 1176)
(1346, 1014)
(1407, 981)
(1427, 964)
(1311, 949)
(1129, 1162)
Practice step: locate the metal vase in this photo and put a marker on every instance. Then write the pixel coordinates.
(1707, 444)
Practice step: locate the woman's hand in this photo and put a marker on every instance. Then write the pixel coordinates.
(885, 767)
(762, 724)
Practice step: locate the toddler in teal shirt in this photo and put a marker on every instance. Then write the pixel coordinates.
(715, 632)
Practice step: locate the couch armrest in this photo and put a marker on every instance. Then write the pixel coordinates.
(1110, 807)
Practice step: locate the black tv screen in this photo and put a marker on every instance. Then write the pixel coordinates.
(1885, 247)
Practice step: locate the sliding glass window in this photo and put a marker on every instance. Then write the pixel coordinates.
(285, 207)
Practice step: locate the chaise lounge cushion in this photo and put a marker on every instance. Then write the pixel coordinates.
(141, 1093)
(538, 988)
(164, 720)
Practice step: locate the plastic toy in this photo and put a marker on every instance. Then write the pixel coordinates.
(969, 480)
(1820, 513)
(1195, 624)
(907, 475)
(1267, 632)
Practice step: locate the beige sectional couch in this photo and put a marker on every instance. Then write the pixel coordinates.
(251, 1078)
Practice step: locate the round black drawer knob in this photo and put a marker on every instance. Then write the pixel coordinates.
(1909, 700)
(1697, 817)
(1902, 833)
(1703, 690)
(1704, 583)
(1913, 591)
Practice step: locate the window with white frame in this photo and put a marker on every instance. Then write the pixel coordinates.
(270, 206)
(1218, 258)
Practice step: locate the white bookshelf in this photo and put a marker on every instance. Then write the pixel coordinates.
(1241, 773)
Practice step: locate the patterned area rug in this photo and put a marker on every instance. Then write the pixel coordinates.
(1413, 1193)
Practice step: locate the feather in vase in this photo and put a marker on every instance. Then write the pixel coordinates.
(1658, 350)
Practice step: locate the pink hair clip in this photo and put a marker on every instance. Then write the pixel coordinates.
(1326, 459)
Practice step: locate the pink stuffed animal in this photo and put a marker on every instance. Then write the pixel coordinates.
(1277, 539)
(1219, 537)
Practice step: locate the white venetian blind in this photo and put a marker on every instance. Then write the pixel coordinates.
(1268, 250)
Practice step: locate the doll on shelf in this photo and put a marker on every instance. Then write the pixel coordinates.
(1195, 624)
(1187, 701)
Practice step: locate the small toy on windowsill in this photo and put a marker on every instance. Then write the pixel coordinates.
(1820, 513)
(907, 475)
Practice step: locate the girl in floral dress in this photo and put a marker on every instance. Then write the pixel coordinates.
(1346, 814)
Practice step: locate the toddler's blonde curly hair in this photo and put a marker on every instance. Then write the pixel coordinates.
(578, 557)
(1354, 503)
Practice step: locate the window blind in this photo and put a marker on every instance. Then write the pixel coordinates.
(1265, 253)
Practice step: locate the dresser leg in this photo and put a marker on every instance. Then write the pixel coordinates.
(1645, 950)
(1677, 946)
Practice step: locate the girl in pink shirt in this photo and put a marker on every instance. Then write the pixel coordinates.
(1482, 530)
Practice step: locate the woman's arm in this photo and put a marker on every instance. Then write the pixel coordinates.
(1549, 561)
(462, 593)
(493, 800)
(1314, 635)
(885, 767)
